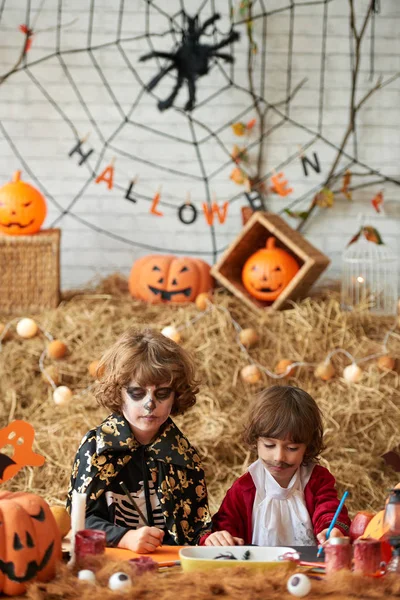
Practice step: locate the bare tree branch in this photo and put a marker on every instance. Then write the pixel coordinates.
(24, 50)
(354, 108)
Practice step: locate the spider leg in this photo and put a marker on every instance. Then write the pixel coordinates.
(168, 102)
(156, 54)
(156, 80)
(192, 93)
(232, 37)
(226, 57)
(209, 22)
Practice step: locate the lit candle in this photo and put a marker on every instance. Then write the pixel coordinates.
(78, 510)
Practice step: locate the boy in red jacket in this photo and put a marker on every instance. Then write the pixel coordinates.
(285, 498)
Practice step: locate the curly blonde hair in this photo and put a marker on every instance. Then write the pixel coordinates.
(151, 359)
(286, 412)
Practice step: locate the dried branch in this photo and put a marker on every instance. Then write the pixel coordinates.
(354, 107)
(25, 47)
(257, 178)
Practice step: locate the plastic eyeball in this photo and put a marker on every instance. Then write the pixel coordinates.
(299, 585)
(86, 575)
(120, 582)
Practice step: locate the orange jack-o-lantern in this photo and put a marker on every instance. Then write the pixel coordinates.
(158, 278)
(268, 271)
(22, 208)
(30, 541)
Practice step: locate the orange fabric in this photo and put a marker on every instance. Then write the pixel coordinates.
(162, 554)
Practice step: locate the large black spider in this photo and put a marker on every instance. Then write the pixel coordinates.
(191, 59)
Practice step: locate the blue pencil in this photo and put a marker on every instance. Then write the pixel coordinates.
(333, 522)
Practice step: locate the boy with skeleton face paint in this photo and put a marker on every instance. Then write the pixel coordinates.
(144, 482)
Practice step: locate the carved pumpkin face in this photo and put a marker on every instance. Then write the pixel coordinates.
(30, 541)
(268, 271)
(158, 278)
(22, 208)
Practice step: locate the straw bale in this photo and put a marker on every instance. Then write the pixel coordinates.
(361, 420)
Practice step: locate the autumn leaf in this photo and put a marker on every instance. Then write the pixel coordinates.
(239, 154)
(345, 187)
(370, 233)
(239, 128)
(324, 198)
(297, 214)
(251, 124)
(377, 201)
(238, 176)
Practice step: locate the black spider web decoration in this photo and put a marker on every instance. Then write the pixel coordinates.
(281, 110)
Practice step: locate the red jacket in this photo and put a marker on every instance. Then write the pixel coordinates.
(235, 513)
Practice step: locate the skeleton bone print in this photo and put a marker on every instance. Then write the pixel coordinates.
(126, 515)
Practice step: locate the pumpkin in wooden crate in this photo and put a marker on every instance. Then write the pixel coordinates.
(268, 271)
(22, 207)
(165, 278)
(30, 541)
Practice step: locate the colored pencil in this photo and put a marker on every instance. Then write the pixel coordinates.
(333, 522)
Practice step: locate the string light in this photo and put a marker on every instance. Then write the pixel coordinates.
(323, 370)
(292, 365)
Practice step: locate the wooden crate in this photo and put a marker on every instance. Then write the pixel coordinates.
(30, 271)
(228, 270)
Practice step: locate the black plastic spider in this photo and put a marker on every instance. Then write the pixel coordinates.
(191, 59)
(229, 556)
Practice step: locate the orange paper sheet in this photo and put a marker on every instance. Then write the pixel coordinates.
(161, 555)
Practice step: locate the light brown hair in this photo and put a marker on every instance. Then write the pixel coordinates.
(286, 412)
(151, 359)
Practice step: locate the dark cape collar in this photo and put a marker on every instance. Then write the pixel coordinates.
(114, 435)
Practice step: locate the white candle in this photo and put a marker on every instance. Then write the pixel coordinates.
(78, 510)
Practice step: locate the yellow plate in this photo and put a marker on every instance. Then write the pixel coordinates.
(203, 558)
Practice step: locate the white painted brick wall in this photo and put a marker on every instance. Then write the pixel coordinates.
(42, 137)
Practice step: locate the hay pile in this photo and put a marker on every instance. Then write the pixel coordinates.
(233, 583)
(362, 420)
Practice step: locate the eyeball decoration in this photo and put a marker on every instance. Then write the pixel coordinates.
(87, 575)
(120, 582)
(299, 585)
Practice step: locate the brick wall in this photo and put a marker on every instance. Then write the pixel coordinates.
(86, 80)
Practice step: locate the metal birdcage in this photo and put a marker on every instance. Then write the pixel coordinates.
(370, 277)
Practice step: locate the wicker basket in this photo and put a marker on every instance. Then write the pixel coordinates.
(30, 271)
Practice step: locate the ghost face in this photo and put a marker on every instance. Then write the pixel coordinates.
(146, 408)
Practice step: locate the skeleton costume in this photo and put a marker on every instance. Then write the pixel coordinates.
(165, 479)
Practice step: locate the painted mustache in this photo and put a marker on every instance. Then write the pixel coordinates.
(281, 465)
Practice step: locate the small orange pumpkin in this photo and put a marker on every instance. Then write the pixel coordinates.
(268, 271)
(30, 541)
(165, 278)
(22, 207)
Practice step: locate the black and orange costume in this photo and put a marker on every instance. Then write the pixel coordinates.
(170, 466)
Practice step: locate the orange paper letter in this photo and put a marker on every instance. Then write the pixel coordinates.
(279, 185)
(210, 211)
(153, 208)
(108, 176)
